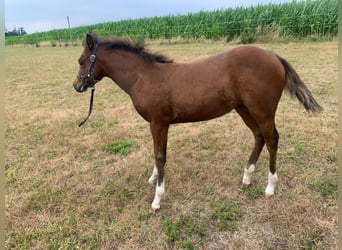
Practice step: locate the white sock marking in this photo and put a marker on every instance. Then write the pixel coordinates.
(246, 180)
(272, 181)
(160, 190)
(154, 175)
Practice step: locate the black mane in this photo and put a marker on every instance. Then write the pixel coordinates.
(137, 47)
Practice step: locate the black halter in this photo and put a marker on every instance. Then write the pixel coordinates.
(87, 84)
(90, 74)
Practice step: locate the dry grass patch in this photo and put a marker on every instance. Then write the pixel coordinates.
(70, 187)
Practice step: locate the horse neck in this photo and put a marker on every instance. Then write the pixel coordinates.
(123, 68)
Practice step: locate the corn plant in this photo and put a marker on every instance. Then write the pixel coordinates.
(292, 19)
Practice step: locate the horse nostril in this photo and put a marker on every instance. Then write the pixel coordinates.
(79, 88)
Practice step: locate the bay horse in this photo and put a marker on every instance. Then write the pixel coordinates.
(247, 79)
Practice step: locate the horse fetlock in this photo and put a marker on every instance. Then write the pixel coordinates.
(160, 190)
(246, 180)
(154, 175)
(152, 179)
(272, 182)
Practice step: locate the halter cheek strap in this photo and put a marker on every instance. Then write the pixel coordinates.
(90, 73)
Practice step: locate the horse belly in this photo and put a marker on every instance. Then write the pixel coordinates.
(201, 109)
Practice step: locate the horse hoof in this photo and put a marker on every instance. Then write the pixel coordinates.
(269, 196)
(152, 181)
(246, 184)
(153, 210)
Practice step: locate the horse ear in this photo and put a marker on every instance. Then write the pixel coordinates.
(91, 40)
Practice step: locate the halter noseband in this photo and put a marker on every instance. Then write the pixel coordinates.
(90, 73)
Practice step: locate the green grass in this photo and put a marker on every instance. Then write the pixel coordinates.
(209, 191)
(189, 230)
(311, 240)
(183, 228)
(227, 215)
(119, 147)
(327, 187)
(118, 194)
(253, 192)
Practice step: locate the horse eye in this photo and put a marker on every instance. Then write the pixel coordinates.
(80, 62)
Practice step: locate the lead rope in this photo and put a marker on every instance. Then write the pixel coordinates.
(90, 107)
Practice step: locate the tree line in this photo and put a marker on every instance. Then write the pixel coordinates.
(15, 32)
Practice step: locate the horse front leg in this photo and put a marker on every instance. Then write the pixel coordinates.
(159, 134)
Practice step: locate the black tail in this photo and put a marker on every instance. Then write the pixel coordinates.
(296, 87)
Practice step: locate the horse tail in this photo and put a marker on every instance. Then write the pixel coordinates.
(296, 87)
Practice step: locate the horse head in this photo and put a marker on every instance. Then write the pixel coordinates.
(88, 74)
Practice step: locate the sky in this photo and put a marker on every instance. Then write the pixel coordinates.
(43, 15)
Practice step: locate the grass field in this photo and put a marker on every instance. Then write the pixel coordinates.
(86, 188)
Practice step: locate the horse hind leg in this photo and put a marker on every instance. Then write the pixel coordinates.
(258, 145)
(272, 146)
(264, 131)
(271, 137)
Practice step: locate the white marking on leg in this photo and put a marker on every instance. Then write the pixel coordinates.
(272, 181)
(160, 190)
(154, 175)
(246, 180)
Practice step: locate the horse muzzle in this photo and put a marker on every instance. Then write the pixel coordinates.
(83, 82)
(79, 87)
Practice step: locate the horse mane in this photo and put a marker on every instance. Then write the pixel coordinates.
(136, 47)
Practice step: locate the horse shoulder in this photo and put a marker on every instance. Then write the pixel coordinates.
(150, 97)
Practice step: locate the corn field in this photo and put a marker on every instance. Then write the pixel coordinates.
(294, 19)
